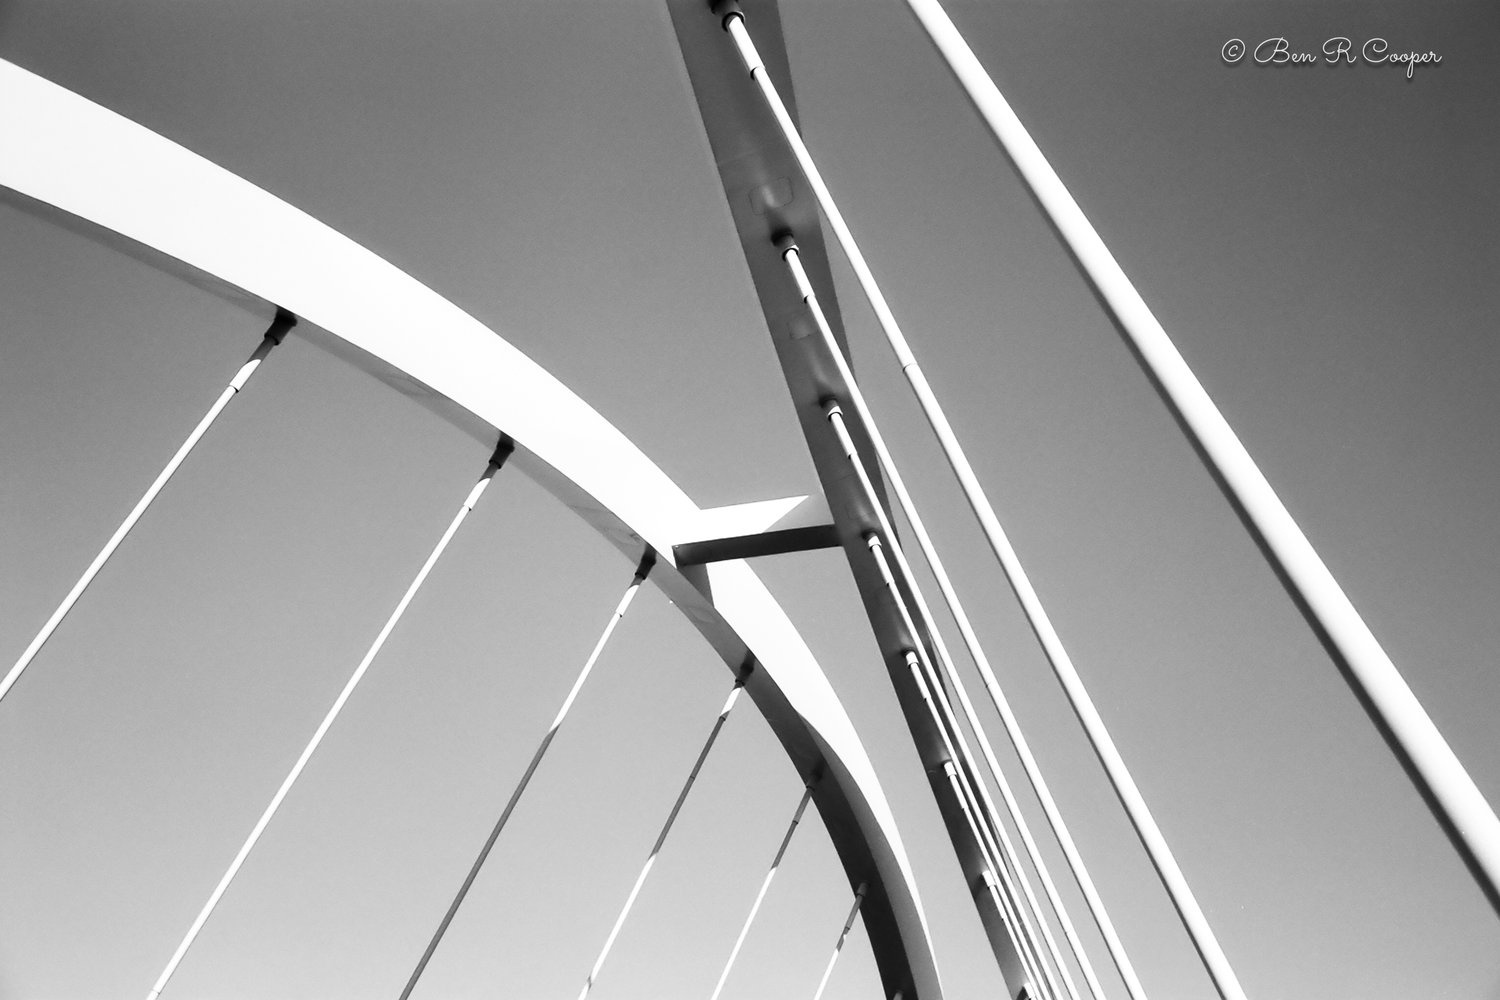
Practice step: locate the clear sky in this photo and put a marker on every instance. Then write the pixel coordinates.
(1319, 241)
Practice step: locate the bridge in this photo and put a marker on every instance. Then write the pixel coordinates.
(149, 737)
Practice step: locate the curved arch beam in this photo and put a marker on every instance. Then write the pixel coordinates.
(199, 220)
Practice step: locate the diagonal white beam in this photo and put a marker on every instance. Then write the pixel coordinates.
(76, 160)
(1025, 913)
(536, 760)
(1145, 825)
(1437, 771)
(954, 743)
(1012, 726)
(760, 896)
(859, 899)
(661, 839)
(501, 454)
(282, 322)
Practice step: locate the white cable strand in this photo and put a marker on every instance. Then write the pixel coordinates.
(283, 322)
(536, 760)
(859, 898)
(846, 444)
(1470, 820)
(1000, 900)
(1026, 917)
(661, 839)
(1124, 784)
(1008, 720)
(323, 727)
(739, 942)
(1006, 903)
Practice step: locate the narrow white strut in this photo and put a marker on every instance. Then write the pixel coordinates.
(1000, 900)
(282, 322)
(1008, 718)
(760, 896)
(498, 459)
(1462, 808)
(661, 838)
(249, 239)
(846, 444)
(1026, 913)
(1006, 903)
(859, 899)
(1124, 784)
(536, 759)
(1001, 853)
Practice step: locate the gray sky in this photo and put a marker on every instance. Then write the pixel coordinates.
(1318, 240)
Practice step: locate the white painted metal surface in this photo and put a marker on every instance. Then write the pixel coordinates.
(1473, 823)
(187, 214)
(1124, 784)
(1008, 720)
(955, 744)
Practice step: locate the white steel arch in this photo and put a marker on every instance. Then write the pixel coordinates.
(69, 155)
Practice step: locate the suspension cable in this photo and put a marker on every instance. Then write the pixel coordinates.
(496, 461)
(275, 333)
(859, 899)
(1008, 720)
(515, 796)
(661, 838)
(1001, 852)
(953, 745)
(846, 443)
(1000, 899)
(1456, 801)
(1006, 903)
(761, 895)
(1124, 784)
(1000, 855)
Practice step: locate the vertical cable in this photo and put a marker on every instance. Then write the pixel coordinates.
(734, 952)
(859, 899)
(661, 838)
(515, 796)
(846, 443)
(1124, 784)
(274, 335)
(1008, 720)
(1459, 806)
(498, 459)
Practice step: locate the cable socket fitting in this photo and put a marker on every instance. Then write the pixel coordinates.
(726, 9)
(503, 451)
(284, 320)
